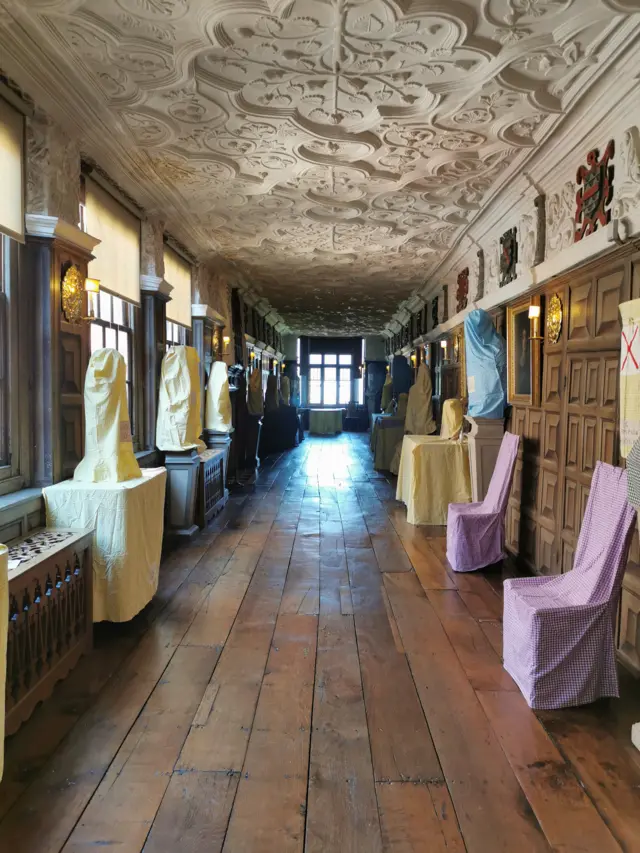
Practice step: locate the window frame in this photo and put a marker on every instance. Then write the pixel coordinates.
(332, 365)
(12, 471)
(170, 341)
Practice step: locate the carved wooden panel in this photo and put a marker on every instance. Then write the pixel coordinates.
(533, 430)
(528, 536)
(576, 374)
(546, 554)
(629, 639)
(589, 445)
(568, 552)
(513, 529)
(516, 488)
(71, 438)
(548, 493)
(570, 506)
(608, 435)
(608, 290)
(71, 361)
(592, 382)
(551, 443)
(572, 455)
(610, 381)
(551, 392)
(530, 478)
(518, 421)
(580, 316)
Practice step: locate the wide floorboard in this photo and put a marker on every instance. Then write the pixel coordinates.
(312, 676)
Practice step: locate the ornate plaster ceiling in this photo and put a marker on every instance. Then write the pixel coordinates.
(334, 148)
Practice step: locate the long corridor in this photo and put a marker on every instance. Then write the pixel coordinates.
(312, 677)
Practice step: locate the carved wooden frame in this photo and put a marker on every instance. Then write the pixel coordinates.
(533, 398)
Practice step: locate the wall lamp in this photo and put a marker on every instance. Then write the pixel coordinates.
(534, 317)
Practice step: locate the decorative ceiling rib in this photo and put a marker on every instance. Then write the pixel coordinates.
(334, 149)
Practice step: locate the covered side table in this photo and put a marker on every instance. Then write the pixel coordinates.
(325, 421)
(433, 474)
(128, 521)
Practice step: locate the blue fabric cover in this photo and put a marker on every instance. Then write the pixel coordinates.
(401, 375)
(486, 355)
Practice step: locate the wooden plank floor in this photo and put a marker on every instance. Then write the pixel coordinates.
(312, 676)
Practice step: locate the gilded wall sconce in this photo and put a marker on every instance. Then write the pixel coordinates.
(554, 319)
(74, 284)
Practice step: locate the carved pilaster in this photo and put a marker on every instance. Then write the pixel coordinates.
(152, 247)
(541, 228)
(154, 295)
(480, 289)
(52, 170)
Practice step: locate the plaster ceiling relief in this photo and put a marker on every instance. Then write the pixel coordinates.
(335, 150)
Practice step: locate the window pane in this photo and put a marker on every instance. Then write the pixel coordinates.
(104, 311)
(330, 374)
(123, 346)
(96, 337)
(345, 392)
(345, 374)
(118, 313)
(110, 338)
(315, 374)
(315, 359)
(330, 392)
(314, 393)
(360, 391)
(331, 359)
(345, 359)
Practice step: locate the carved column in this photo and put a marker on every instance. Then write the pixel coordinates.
(485, 439)
(205, 324)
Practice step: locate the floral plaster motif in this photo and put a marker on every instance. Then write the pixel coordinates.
(333, 150)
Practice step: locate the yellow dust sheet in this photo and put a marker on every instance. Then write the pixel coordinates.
(179, 424)
(325, 421)
(432, 475)
(128, 521)
(218, 400)
(109, 456)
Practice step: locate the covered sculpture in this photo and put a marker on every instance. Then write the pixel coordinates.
(109, 456)
(419, 418)
(271, 401)
(285, 390)
(486, 356)
(218, 401)
(452, 419)
(387, 393)
(255, 400)
(179, 423)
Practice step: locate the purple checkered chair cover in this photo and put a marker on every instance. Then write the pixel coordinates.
(475, 532)
(559, 631)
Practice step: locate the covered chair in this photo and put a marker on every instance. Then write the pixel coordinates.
(475, 532)
(388, 431)
(559, 631)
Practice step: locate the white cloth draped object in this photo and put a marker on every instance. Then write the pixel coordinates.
(109, 456)
(179, 424)
(255, 400)
(217, 415)
(271, 401)
(419, 418)
(4, 631)
(285, 390)
(387, 393)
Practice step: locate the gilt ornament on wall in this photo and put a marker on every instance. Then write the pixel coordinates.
(595, 193)
(508, 256)
(462, 292)
(554, 319)
(72, 294)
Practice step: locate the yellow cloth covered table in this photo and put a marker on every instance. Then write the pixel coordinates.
(325, 421)
(388, 435)
(4, 633)
(128, 520)
(433, 473)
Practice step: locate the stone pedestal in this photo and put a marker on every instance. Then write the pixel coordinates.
(182, 489)
(485, 439)
(220, 441)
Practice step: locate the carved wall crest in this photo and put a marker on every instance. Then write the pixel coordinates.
(434, 312)
(445, 303)
(596, 192)
(462, 291)
(508, 256)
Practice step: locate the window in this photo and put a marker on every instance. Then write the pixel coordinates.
(113, 328)
(5, 327)
(329, 379)
(176, 335)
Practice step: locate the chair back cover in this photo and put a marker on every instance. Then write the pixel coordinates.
(285, 390)
(255, 400)
(401, 375)
(486, 358)
(179, 424)
(217, 412)
(419, 418)
(387, 393)
(271, 402)
(500, 485)
(403, 402)
(452, 419)
(598, 565)
(109, 456)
